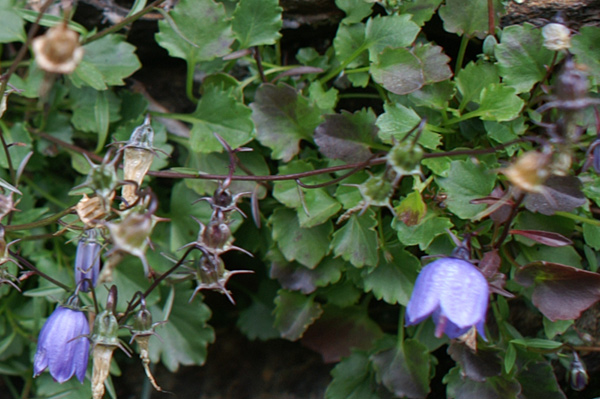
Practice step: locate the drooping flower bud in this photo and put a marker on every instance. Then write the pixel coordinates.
(58, 50)
(212, 275)
(404, 159)
(87, 260)
(578, 376)
(139, 154)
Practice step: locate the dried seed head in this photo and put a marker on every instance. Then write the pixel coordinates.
(92, 210)
(529, 172)
(58, 50)
(556, 37)
(138, 158)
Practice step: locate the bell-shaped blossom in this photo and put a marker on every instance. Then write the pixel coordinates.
(454, 293)
(63, 347)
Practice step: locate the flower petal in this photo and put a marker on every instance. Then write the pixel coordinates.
(464, 293)
(425, 298)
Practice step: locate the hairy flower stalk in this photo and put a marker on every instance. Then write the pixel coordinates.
(63, 346)
(137, 160)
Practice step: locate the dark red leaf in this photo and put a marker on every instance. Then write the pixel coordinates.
(560, 292)
(479, 365)
(490, 264)
(548, 238)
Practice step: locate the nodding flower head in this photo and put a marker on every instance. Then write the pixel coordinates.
(454, 292)
(87, 260)
(63, 347)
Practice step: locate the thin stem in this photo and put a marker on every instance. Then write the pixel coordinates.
(513, 214)
(578, 218)
(259, 65)
(154, 284)
(401, 326)
(43, 193)
(464, 42)
(123, 23)
(491, 18)
(343, 65)
(13, 175)
(27, 264)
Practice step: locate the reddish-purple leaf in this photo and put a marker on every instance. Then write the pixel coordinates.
(490, 264)
(548, 238)
(560, 292)
(561, 193)
(339, 330)
(479, 365)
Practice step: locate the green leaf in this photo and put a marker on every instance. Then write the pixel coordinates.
(465, 182)
(472, 79)
(435, 96)
(420, 11)
(283, 118)
(349, 44)
(499, 103)
(342, 294)
(86, 74)
(295, 277)
(356, 10)
(186, 335)
(352, 379)
(537, 343)
(522, 58)
(405, 369)
(12, 26)
(315, 206)
(422, 234)
(257, 22)
(197, 30)
(591, 235)
(585, 45)
(218, 111)
(510, 358)
(17, 134)
(112, 57)
(184, 229)
(304, 245)
(392, 31)
(398, 120)
(554, 328)
(256, 321)
(393, 280)
(84, 103)
(470, 18)
(294, 312)
(356, 241)
(398, 70)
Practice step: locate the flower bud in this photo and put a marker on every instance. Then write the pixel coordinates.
(404, 158)
(58, 50)
(376, 191)
(556, 37)
(87, 260)
(578, 376)
(131, 235)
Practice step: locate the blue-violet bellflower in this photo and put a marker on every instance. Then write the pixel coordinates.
(454, 292)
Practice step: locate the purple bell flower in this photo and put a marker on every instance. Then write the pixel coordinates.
(87, 260)
(62, 345)
(454, 293)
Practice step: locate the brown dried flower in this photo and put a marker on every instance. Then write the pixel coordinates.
(58, 50)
